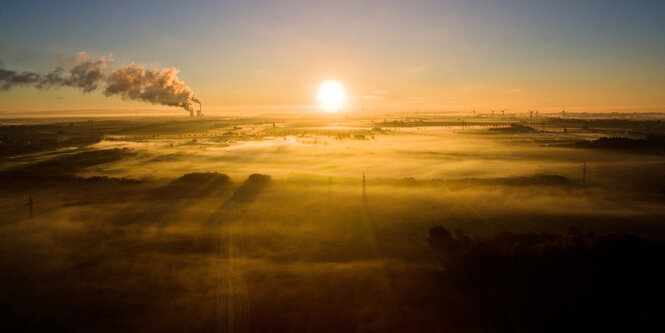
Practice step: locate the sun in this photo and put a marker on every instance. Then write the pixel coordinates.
(331, 96)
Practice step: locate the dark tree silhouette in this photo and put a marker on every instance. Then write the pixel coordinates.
(542, 282)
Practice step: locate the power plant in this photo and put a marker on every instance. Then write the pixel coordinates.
(199, 112)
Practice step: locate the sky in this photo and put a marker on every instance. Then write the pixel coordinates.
(430, 55)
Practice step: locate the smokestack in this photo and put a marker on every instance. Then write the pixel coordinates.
(199, 113)
(191, 113)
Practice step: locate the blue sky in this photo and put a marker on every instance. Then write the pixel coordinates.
(447, 54)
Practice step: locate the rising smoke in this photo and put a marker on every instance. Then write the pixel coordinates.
(131, 82)
(158, 87)
(85, 75)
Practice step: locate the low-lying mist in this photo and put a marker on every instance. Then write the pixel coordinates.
(244, 224)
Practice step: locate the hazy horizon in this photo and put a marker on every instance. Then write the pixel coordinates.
(332, 166)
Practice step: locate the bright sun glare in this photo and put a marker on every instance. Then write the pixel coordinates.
(331, 96)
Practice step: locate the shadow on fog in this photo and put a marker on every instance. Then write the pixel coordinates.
(250, 189)
(126, 266)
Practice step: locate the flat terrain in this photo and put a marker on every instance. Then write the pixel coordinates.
(292, 223)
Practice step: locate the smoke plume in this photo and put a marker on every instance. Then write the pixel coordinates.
(85, 75)
(131, 82)
(158, 87)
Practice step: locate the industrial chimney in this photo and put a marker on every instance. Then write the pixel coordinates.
(199, 113)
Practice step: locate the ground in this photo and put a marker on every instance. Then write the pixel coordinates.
(265, 223)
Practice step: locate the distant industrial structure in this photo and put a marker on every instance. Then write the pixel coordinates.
(199, 112)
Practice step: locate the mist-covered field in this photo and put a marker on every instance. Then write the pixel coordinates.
(317, 223)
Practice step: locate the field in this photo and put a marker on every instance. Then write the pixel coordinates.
(308, 223)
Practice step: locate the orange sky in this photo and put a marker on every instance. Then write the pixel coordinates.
(449, 56)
